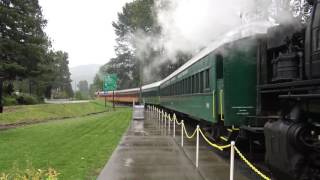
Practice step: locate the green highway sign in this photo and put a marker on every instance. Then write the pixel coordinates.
(110, 82)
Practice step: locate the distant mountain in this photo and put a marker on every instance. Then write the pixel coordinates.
(83, 72)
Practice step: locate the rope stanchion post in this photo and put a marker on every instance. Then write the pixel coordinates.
(174, 128)
(169, 129)
(197, 147)
(232, 160)
(161, 119)
(165, 122)
(182, 124)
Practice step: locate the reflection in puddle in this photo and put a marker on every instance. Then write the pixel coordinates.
(128, 162)
(137, 126)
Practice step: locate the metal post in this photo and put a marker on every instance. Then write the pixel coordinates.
(113, 99)
(169, 125)
(182, 124)
(159, 123)
(197, 147)
(105, 99)
(165, 122)
(161, 120)
(232, 160)
(174, 127)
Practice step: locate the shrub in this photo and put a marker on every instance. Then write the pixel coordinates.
(27, 99)
(9, 101)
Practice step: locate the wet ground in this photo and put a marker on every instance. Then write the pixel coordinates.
(149, 152)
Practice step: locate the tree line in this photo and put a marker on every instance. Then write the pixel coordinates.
(27, 61)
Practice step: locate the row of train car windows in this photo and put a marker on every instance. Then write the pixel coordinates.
(197, 83)
(150, 93)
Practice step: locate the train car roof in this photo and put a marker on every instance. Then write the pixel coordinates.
(152, 85)
(236, 34)
(127, 90)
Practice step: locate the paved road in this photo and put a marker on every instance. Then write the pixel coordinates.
(148, 152)
(63, 101)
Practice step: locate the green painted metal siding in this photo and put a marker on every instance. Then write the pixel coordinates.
(230, 94)
(151, 96)
(239, 76)
(196, 100)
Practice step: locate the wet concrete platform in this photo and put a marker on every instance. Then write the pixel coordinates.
(149, 152)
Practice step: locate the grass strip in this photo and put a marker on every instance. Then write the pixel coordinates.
(77, 148)
(43, 112)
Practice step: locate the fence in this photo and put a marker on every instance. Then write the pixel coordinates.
(165, 118)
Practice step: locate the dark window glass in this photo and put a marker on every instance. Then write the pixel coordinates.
(207, 79)
(185, 86)
(191, 84)
(219, 66)
(197, 83)
(201, 81)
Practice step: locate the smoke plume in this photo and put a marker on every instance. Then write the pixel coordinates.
(188, 26)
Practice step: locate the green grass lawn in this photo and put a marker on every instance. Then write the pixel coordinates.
(43, 112)
(78, 148)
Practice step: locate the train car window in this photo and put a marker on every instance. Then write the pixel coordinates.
(189, 85)
(185, 85)
(192, 84)
(197, 82)
(207, 79)
(201, 81)
(175, 89)
(219, 66)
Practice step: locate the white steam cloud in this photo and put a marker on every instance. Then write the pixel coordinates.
(189, 25)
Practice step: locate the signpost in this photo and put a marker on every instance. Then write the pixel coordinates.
(110, 84)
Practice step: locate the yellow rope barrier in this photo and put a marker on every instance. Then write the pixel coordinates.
(185, 131)
(251, 165)
(178, 122)
(215, 145)
(212, 144)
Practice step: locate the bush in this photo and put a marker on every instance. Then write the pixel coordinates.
(9, 101)
(27, 99)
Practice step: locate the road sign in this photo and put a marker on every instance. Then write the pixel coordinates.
(110, 82)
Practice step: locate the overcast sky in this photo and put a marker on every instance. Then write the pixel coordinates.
(82, 28)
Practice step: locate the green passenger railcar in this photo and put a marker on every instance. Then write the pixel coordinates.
(215, 86)
(150, 94)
